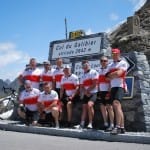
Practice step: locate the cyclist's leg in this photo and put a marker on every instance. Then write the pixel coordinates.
(21, 113)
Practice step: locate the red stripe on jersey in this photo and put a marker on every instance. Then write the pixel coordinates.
(102, 79)
(58, 77)
(87, 82)
(30, 100)
(69, 86)
(33, 78)
(48, 103)
(47, 78)
(123, 74)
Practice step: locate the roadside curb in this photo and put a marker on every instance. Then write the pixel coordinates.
(129, 137)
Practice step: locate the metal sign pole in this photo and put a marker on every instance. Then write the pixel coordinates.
(66, 32)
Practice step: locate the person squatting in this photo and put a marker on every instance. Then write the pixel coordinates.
(46, 94)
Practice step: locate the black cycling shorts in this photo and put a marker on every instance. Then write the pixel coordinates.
(92, 98)
(117, 93)
(66, 99)
(102, 98)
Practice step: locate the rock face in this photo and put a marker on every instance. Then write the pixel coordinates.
(14, 85)
(134, 34)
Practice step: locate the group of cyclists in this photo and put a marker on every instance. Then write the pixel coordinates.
(60, 87)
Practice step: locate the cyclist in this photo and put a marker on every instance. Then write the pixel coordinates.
(48, 105)
(89, 88)
(104, 95)
(28, 104)
(47, 73)
(116, 73)
(31, 73)
(57, 75)
(69, 92)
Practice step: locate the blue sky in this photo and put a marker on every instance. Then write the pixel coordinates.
(28, 26)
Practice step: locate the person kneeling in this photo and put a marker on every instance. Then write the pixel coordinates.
(28, 104)
(48, 105)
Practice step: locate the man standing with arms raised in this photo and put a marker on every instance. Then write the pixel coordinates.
(116, 73)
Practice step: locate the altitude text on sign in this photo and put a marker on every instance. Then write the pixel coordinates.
(77, 48)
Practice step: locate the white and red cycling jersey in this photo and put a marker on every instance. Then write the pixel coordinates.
(48, 98)
(119, 81)
(103, 83)
(87, 80)
(69, 84)
(47, 76)
(33, 75)
(29, 98)
(57, 75)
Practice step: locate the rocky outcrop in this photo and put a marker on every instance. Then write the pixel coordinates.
(133, 38)
(14, 85)
(134, 34)
(2, 84)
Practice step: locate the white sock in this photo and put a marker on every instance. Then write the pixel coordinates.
(57, 124)
(112, 125)
(82, 123)
(105, 124)
(90, 123)
(117, 126)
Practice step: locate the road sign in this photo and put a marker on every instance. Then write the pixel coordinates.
(85, 46)
(130, 86)
(131, 64)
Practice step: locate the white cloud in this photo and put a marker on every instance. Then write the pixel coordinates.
(89, 31)
(9, 54)
(137, 3)
(113, 17)
(11, 60)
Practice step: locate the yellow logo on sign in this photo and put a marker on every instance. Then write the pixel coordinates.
(76, 34)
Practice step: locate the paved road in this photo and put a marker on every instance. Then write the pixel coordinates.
(26, 141)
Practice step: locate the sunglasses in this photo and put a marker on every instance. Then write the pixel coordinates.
(104, 60)
(46, 64)
(84, 65)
